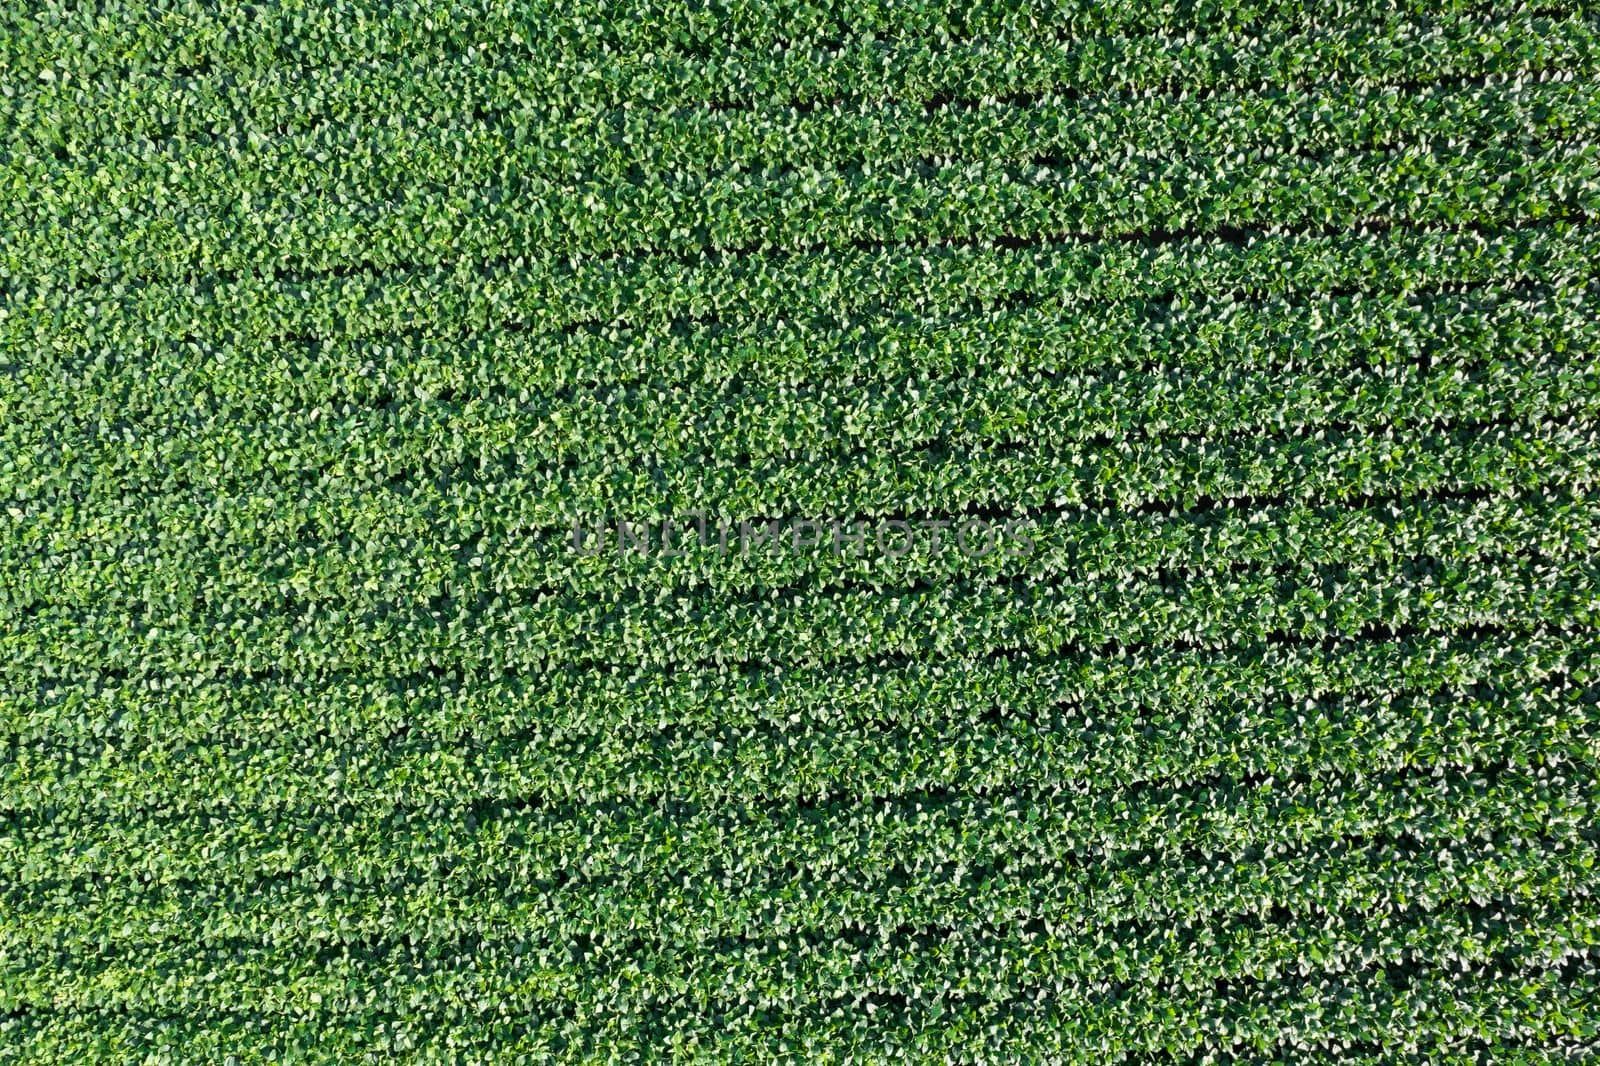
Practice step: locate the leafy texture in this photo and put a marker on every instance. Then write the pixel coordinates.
(1265, 331)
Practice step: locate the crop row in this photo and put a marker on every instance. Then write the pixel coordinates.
(144, 111)
(539, 628)
(1340, 465)
(1534, 1018)
(365, 333)
(1503, 364)
(157, 572)
(99, 43)
(1134, 692)
(550, 968)
(794, 975)
(904, 200)
(381, 165)
(941, 750)
(601, 919)
(481, 845)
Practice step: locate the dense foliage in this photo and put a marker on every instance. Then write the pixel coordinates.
(326, 325)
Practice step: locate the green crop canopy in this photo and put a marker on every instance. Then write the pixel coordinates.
(840, 532)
